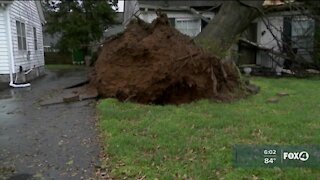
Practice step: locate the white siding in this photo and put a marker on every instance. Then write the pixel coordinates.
(190, 18)
(26, 12)
(4, 50)
(130, 7)
(186, 22)
(149, 16)
(266, 39)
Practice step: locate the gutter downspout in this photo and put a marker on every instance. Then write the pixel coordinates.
(11, 59)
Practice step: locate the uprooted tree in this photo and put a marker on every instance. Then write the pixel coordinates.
(154, 63)
(233, 18)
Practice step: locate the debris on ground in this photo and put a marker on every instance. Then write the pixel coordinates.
(281, 94)
(254, 89)
(67, 95)
(273, 100)
(71, 98)
(155, 63)
(313, 71)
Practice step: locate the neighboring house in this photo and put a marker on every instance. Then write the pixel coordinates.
(116, 28)
(273, 36)
(21, 42)
(189, 17)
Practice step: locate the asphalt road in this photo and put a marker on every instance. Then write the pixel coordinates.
(51, 142)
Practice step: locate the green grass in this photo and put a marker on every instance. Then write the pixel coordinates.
(195, 140)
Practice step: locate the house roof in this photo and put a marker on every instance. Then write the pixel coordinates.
(38, 5)
(40, 11)
(200, 3)
(179, 3)
(4, 3)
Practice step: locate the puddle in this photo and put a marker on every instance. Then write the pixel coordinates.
(14, 93)
(3, 86)
(30, 133)
(6, 94)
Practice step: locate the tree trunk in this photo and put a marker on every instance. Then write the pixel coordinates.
(233, 18)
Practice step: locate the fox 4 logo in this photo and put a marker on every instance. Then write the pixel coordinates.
(302, 156)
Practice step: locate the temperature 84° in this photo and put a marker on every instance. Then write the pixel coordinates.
(269, 160)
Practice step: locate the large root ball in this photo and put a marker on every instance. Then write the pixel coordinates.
(155, 63)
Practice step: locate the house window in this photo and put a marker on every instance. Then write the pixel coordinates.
(302, 36)
(303, 32)
(35, 38)
(190, 27)
(21, 34)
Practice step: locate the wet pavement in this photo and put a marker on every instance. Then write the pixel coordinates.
(51, 142)
(3, 86)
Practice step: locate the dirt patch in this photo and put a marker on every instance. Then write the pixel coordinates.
(155, 63)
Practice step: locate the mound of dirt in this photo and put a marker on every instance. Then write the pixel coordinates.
(155, 63)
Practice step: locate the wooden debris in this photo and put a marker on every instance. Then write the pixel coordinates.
(253, 88)
(281, 94)
(273, 100)
(73, 98)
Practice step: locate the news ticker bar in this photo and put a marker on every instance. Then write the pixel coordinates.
(276, 155)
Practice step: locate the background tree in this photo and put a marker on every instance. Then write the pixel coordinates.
(78, 22)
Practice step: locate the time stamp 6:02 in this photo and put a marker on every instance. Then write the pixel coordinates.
(270, 156)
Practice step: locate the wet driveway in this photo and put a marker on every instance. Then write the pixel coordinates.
(51, 142)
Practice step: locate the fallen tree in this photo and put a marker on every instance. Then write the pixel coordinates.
(233, 18)
(155, 63)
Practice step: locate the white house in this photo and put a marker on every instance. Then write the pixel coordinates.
(276, 34)
(189, 16)
(21, 41)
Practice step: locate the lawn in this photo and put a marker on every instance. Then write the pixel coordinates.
(195, 140)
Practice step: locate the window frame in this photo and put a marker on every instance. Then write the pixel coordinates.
(21, 35)
(35, 38)
(187, 21)
(302, 33)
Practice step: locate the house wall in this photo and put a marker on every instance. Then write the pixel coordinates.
(26, 12)
(4, 50)
(130, 7)
(266, 39)
(302, 36)
(149, 16)
(179, 16)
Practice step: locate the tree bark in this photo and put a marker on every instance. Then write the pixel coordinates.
(233, 18)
